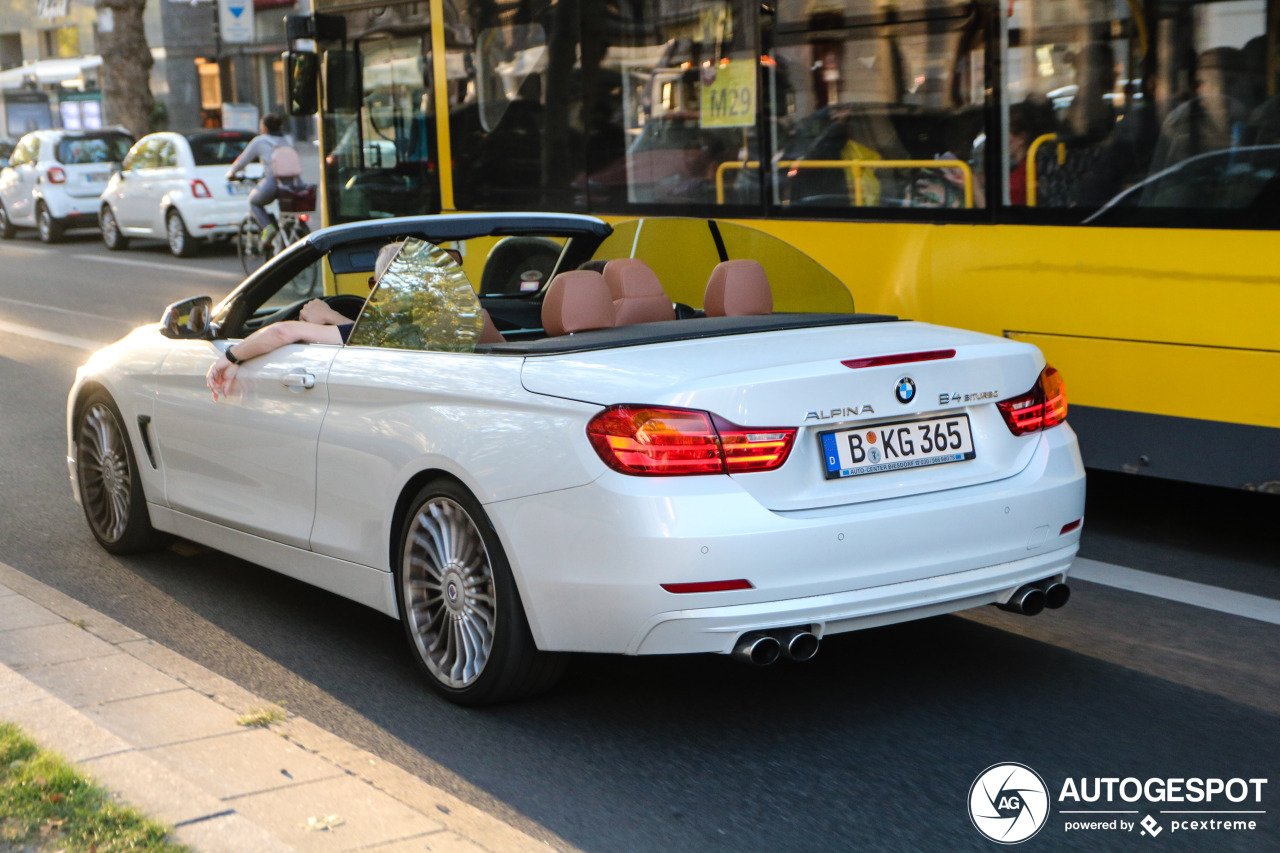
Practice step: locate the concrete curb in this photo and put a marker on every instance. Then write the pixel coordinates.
(161, 732)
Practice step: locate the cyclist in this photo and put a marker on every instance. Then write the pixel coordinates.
(264, 148)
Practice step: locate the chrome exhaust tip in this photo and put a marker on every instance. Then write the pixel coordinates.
(1029, 600)
(1056, 594)
(757, 649)
(799, 644)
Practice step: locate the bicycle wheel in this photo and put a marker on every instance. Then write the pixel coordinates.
(249, 246)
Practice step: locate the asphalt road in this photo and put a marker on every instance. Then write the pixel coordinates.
(872, 746)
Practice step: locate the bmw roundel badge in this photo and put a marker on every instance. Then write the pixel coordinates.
(906, 390)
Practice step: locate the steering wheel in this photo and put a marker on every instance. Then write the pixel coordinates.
(347, 304)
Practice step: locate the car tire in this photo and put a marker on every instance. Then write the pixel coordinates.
(181, 244)
(111, 236)
(50, 229)
(451, 573)
(6, 225)
(107, 475)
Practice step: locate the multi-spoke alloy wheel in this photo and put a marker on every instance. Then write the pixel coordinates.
(111, 235)
(448, 584)
(180, 243)
(459, 603)
(110, 489)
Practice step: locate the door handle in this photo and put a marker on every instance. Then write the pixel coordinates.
(298, 380)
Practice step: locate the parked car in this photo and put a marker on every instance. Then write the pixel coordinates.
(174, 187)
(740, 482)
(54, 178)
(1234, 187)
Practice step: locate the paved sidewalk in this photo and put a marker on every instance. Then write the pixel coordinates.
(162, 732)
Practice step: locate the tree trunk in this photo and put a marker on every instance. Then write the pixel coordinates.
(126, 65)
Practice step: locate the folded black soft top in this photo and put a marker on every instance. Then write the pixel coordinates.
(678, 330)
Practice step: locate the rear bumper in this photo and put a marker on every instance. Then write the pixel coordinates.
(73, 211)
(590, 561)
(715, 629)
(214, 217)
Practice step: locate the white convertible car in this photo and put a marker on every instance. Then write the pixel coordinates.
(697, 446)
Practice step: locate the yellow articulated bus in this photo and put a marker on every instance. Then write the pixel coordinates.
(1099, 179)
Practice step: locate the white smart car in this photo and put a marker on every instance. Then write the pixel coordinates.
(54, 178)
(174, 187)
(588, 467)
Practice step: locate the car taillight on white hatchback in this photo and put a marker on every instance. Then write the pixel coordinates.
(200, 190)
(56, 175)
(655, 441)
(1043, 406)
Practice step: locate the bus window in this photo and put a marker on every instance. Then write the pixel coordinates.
(1142, 102)
(379, 161)
(872, 96)
(515, 111)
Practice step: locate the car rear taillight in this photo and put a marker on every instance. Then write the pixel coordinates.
(656, 441)
(199, 190)
(56, 175)
(1043, 406)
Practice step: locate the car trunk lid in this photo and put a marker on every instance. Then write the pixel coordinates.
(802, 379)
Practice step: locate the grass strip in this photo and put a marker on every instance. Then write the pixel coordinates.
(44, 802)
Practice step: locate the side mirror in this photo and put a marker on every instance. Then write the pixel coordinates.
(302, 70)
(188, 320)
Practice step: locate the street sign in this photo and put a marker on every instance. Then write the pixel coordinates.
(235, 20)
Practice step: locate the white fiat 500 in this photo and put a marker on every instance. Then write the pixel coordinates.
(174, 187)
(664, 436)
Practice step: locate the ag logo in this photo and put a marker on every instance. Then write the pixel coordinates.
(1008, 803)
(906, 390)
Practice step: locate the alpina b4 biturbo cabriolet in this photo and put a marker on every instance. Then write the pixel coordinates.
(663, 436)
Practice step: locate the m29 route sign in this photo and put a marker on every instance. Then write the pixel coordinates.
(728, 97)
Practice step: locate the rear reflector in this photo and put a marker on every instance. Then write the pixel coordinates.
(708, 586)
(900, 358)
(1067, 528)
(1043, 406)
(654, 441)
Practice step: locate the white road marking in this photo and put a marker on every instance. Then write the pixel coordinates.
(1174, 589)
(131, 262)
(39, 307)
(50, 337)
(156, 266)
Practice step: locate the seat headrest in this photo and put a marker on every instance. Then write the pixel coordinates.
(738, 289)
(638, 296)
(577, 301)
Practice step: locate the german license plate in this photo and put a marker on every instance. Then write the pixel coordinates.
(892, 447)
(97, 177)
(239, 188)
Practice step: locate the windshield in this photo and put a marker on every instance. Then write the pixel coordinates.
(93, 148)
(217, 149)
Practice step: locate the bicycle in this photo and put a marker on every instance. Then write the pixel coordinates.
(295, 204)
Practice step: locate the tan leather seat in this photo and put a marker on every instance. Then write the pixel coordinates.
(637, 294)
(489, 333)
(577, 301)
(738, 289)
